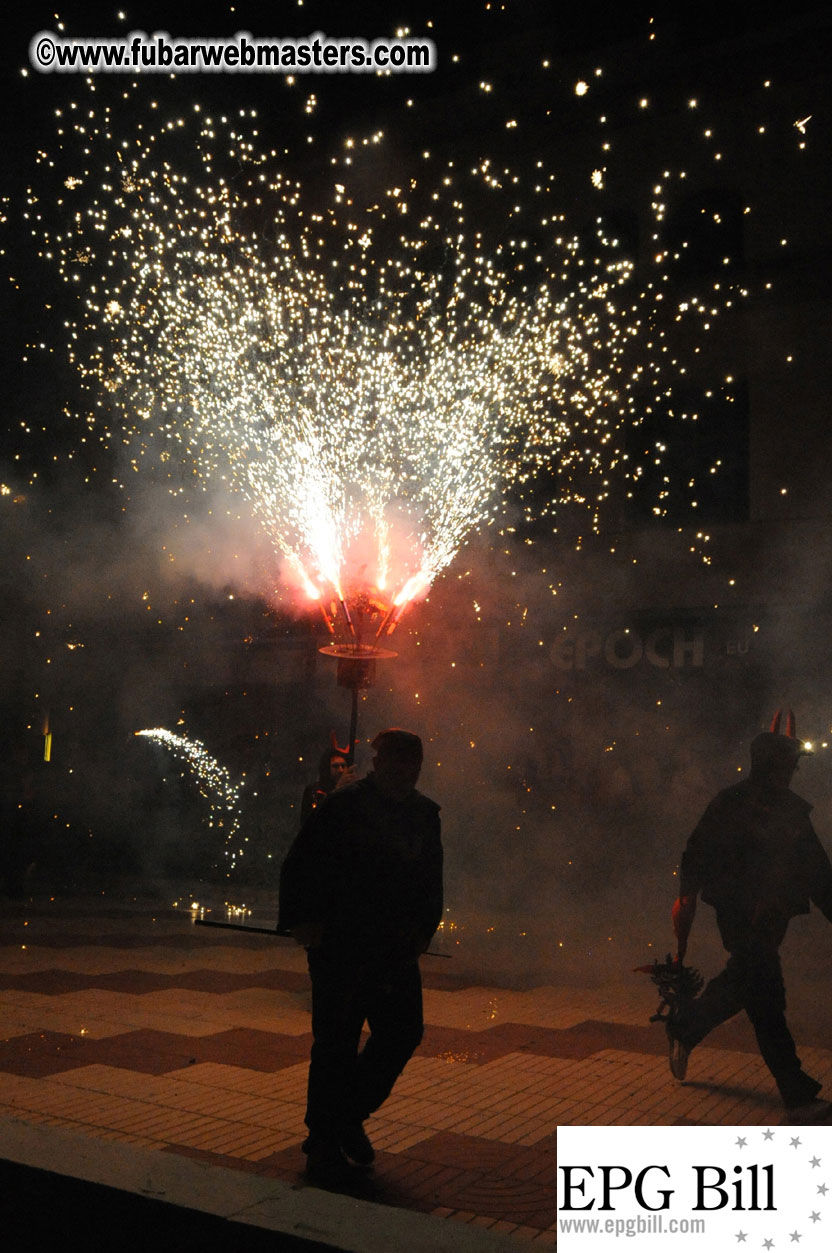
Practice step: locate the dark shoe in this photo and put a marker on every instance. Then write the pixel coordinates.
(326, 1165)
(356, 1144)
(677, 1055)
(800, 1090)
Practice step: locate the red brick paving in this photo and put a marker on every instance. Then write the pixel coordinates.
(152, 1052)
(272, 1050)
(507, 1083)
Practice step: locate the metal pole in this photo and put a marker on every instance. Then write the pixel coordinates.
(273, 931)
(242, 926)
(353, 727)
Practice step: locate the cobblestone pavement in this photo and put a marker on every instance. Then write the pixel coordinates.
(122, 1021)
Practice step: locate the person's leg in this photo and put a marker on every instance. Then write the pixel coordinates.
(726, 994)
(338, 1013)
(720, 1000)
(689, 1022)
(752, 980)
(765, 1004)
(394, 1016)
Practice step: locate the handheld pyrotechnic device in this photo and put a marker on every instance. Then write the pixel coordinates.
(677, 986)
(371, 616)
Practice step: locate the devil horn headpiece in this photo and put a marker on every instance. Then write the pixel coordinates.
(790, 723)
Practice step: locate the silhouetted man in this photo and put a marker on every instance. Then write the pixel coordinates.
(756, 859)
(361, 888)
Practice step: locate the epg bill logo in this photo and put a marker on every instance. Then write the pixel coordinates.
(703, 1188)
(721, 1186)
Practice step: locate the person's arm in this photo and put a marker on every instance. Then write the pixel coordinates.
(306, 879)
(432, 904)
(682, 914)
(307, 803)
(821, 876)
(435, 901)
(690, 883)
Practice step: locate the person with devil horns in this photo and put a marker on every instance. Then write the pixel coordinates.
(756, 859)
(334, 771)
(361, 889)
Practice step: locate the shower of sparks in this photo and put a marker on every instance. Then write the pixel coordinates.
(372, 378)
(213, 782)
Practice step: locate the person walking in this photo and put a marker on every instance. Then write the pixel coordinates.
(361, 889)
(754, 856)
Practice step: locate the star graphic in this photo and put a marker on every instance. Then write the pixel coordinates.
(795, 1142)
(740, 1142)
(815, 1216)
(741, 1237)
(768, 1135)
(794, 1236)
(823, 1189)
(815, 1161)
(768, 1244)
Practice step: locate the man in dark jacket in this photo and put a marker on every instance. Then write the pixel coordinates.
(756, 859)
(361, 888)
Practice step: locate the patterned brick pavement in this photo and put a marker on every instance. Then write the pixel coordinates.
(127, 1023)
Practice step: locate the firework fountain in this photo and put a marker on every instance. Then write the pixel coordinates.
(370, 405)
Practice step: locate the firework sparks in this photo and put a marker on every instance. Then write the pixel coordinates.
(370, 404)
(214, 783)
